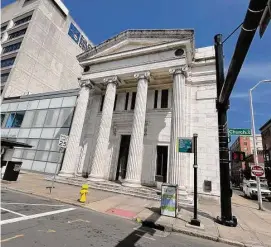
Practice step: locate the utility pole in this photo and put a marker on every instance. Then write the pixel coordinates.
(225, 187)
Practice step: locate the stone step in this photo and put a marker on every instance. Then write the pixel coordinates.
(141, 192)
(146, 194)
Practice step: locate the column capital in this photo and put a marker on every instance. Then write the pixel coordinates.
(85, 83)
(111, 79)
(179, 70)
(143, 75)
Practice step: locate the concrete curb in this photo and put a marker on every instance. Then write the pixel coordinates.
(144, 223)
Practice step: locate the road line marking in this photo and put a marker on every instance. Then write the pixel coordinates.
(8, 239)
(31, 204)
(142, 236)
(34, 216)
(50, 230)
(12, 211)
(77, 221)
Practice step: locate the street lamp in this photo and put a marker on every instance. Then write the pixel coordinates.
(254, 142)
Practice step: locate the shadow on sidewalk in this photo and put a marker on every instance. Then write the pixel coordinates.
(137, 234)
(206, 215)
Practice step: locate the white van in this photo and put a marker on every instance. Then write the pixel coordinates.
(250, 189)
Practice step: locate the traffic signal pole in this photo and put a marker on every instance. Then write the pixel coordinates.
(224, 89)
(225, 188)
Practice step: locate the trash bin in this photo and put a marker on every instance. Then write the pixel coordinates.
(12, 170)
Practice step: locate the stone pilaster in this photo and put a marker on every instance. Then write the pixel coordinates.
(98, 163)
(134, 166)
(177, 169)
(70, 161)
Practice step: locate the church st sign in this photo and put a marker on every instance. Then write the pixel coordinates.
(239, 132)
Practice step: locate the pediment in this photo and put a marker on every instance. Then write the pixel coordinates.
(136, 39)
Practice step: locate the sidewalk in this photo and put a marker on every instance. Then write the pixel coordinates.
(254, 226)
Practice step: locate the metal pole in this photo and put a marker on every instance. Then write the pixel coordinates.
(195, 220)
(57, 165)
(225, 188)
(255, 153)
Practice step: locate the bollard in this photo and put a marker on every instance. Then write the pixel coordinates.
(83, 193)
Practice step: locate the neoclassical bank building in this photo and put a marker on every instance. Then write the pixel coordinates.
(140, 91)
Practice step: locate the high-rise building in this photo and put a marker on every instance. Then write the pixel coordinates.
(39, 45)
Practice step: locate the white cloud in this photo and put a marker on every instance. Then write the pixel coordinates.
(253, 71)
(239, 95)
(256, 71)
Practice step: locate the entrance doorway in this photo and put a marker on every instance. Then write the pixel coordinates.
(161, 163)
(123, 157)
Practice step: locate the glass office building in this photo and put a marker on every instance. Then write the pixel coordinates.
(38, 120)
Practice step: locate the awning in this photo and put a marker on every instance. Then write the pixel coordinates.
(8, 143)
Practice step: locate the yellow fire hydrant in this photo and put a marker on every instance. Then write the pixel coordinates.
(83, 193)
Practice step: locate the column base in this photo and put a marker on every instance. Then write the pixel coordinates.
(131, 183)
(66, 174)
(95, 178)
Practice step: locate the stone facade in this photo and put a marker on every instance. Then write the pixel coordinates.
(161, 88)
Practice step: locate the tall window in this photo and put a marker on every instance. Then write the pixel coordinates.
(126, 101)
(102, 103)
(15, 119)
(133, 101)
(12, 47)
(17, 34)
(164, 99)
(4, 77)
(23, 20)
(2, 118)
(155, 99)
(7, 62)
(3, 28)
(115, 103)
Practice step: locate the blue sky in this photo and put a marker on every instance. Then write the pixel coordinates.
(103, 19)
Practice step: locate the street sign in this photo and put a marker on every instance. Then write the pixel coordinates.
(63, 141)
(184, 145)
(257, 171)
(239, 132)
(265, 19)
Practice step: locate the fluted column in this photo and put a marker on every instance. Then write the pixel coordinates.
(134, 166)
(177, 160)
(72, 151)
(98, 163)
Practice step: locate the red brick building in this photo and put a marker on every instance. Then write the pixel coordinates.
(266, 140)
(244, 144)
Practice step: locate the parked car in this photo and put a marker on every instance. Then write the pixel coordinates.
(250, 190)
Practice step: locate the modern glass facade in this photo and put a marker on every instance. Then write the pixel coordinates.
(38, 121)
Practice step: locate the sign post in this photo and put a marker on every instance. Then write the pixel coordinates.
(62, 143)
(195, 221)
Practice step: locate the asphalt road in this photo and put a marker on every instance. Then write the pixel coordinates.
(29, 221)
(266, 203)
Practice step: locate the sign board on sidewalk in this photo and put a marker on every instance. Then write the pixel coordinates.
(184, 145)
(239, 132)
(169, 200)
(63, 141)
(257, 171)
